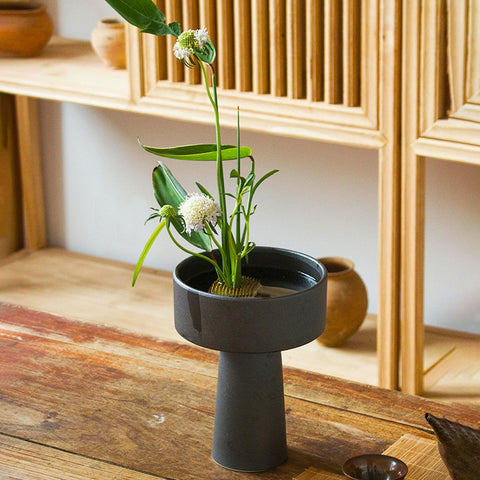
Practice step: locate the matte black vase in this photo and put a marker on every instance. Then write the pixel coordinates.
(250, 333)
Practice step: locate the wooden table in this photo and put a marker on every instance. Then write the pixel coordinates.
(79, 401)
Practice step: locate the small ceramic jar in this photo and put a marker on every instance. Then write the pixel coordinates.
(108, 42)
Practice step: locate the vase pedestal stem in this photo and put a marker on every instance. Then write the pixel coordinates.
(249, 433)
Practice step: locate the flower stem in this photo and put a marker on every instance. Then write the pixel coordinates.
(199, 255)
(226, 258)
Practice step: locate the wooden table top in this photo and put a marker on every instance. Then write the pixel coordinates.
(79, 401)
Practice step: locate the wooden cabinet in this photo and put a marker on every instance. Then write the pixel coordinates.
(320, 69)
(440, 119)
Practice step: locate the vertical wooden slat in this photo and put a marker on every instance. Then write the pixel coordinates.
(159, 49)
(433, 62)
(191, 20)
(135, 67)
(457, 43)
(225, 45)
(473, 60)
(369, 65)
(11, 229)
(208, 19)
(175, 68)
(278, 59)
(260, 46)
(333, 51)
(243, 45)
(351, 52)
(315, 50)
(296, 65)
(31, 173)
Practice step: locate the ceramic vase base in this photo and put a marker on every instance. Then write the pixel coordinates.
(249, 432)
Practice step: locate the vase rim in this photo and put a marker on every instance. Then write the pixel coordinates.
(20, 7)
(207, 266)
(337, 265)
(111, 21)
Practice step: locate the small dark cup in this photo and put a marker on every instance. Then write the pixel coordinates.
(375, 467)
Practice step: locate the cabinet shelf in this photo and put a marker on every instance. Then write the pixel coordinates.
(68, 70)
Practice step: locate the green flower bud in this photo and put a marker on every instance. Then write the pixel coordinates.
(167, 211)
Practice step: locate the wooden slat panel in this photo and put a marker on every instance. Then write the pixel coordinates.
(225, 45)
(260, 46)
(278, 59)
(296, 66)
(31, 172)
(351, 52)
(243, 45)
(191, 20)
(333, 51)
(457, 37)
(315, 50)
(175, 68)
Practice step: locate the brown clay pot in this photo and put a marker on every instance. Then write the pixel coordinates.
(108, 41)
(347, 301)
(25, 29)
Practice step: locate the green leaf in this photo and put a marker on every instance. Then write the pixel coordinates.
(146, 249)
(175, 28)
(267, 175)
(199, 152)
(168, 191)
(204, 190)
(145, 15)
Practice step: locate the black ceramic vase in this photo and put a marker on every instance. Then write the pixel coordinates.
(250, 333)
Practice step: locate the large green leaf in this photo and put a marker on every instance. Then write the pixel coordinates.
(145, 15)
(200, 152)
(168, 191)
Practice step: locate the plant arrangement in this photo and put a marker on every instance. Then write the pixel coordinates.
(199, 219)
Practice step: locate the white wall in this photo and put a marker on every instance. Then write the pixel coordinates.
(323, 201)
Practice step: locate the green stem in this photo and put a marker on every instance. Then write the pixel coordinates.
(238, 216)
(226, 261)
(199, 255)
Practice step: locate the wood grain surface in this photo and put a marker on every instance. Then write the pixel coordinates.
(132, 402)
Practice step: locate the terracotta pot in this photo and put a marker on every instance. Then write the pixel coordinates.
(249, 432)
(108, 41)
(25, 29)
(347, 301)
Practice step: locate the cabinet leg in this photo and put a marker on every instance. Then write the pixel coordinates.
(31, 173)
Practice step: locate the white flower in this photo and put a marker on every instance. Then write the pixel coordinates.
(201, 36)
(188, 41)
(197, 209)
(181, 52)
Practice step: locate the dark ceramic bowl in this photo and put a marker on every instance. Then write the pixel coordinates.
(375, 467)
(252, 325)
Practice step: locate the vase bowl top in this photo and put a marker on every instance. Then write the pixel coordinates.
(253, 325)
